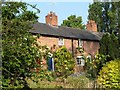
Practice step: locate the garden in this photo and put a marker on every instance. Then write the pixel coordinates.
(22, 57)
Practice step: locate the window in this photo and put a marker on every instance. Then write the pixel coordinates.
(61, 42)
(80, 43)
(80, 60)
(89, 58)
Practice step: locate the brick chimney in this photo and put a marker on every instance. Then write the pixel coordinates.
(91, 26)
(52, 19)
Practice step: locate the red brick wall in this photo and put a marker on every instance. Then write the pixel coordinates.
(50, 41)
(68, 44)
(91, 47)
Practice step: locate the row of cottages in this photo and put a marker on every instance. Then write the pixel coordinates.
(55, 36)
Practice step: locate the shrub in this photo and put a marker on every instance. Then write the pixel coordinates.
(64, 62)
(94, 66)
(110, 75)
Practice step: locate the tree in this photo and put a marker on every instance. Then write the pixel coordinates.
(106, 15)
(74, 22)
(109, 45)
(19, 51)
(95, 13)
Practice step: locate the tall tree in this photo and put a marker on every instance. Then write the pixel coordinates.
(95, 13)
(19, 53)
(105, 14)
(74, 22)
(109, 45)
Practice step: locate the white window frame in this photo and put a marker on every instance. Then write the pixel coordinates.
(80, 43)
(80, 61)
(89, 57)
(61, 41)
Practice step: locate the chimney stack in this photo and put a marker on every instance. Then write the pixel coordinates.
(52, 19)
(91, 26)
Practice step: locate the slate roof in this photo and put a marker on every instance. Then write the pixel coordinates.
(66, 32)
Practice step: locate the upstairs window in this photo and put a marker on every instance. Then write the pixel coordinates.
(61, 41)
(80, 43)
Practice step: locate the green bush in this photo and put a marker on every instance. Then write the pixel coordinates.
(64, 62)
(110, 75)
(94, 66)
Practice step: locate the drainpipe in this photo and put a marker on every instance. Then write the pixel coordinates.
(72, 49)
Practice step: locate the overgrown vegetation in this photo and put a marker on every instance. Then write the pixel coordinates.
(79, 82)
(110, 75)
(109, 45)
(19, 51)
(94, 66)
(70, 82)
(64, 63)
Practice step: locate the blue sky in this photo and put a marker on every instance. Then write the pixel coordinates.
(62, 9)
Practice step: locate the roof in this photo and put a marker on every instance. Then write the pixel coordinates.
(66, 32)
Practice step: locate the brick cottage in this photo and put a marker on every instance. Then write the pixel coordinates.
(54, 36)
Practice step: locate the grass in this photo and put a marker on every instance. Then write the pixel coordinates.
(71, 82)
(46, 84)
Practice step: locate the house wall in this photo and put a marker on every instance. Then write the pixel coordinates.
(48, 41)
(91, 47)
(51, 41)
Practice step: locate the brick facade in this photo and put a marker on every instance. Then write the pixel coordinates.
(51, 41)
(90, 47)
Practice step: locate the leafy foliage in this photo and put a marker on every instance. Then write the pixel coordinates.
(74, 22)
(94, 66)
(106, 15)
(110, 75)
(95, 13)
(109, 45)
(64, 63)
(19, 53)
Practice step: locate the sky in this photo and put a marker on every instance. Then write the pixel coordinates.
(62, 9)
